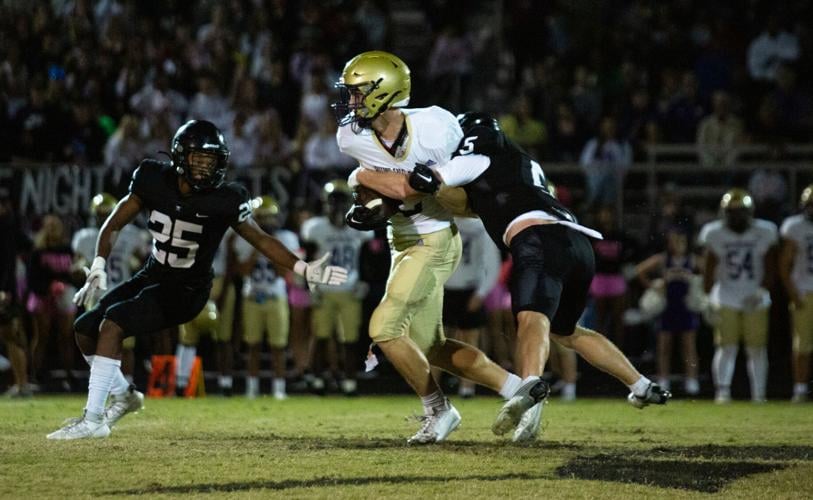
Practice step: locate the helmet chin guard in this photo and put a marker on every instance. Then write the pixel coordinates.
(200, 136)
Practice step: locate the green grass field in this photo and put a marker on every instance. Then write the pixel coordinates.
(308, 447)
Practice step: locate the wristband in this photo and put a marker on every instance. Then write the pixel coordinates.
(300, 267)
(98, 263)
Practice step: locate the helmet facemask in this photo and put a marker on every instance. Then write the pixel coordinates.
(199, 153)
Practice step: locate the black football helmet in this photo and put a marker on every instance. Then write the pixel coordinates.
(472, 119)
(200, 136)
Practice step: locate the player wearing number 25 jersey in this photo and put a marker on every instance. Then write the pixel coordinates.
(739, 267)
(189, 207)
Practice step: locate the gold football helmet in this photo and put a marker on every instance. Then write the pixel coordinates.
(807, 196)
(264, 206)
(371, 83)
(102, 204)
(738, 209)
(737, 198)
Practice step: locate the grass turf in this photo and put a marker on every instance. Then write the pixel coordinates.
(355, 448)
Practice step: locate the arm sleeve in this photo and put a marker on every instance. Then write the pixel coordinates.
(461, 170)
(491, 265)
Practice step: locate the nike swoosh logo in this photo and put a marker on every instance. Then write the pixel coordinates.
(424, 177)
(202, 216)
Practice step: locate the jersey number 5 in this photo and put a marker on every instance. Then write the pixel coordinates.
(169, 246)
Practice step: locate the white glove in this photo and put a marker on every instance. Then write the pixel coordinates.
(319, 273)
(96, 280)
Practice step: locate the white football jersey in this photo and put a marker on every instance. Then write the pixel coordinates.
(480, 263)
(433, 135)
(263, 281)
(343, 243)
(799, 229)
(741, 260)
(130, 241)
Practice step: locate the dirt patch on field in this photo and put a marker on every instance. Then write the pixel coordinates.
(738, 452)
(708, 477)
(319, 482)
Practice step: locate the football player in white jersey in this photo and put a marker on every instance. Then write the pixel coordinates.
(131, 247)
(466, 290)
(739, 268)
(388, 140)
(796, 270)
(337, 309)
(265, 299)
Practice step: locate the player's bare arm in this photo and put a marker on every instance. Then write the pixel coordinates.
(126, 210)
(317, 272)
(391, 184)
(709, 268)
(266, 244)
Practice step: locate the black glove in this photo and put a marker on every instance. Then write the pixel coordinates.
(423, 180)
(362, 218)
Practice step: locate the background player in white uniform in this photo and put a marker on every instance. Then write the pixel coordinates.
(796, 270)
(739, 268)
(464, 293)
(406, 325)
(265, 299)
(221, 305)
(128, 253)
(337, 309)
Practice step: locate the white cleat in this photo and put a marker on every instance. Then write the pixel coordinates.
(81, 428)
(528, 427)
(799, 398)
(529, 394)
(436, 427)
(722, 397)
(131, 401)
(655, 395)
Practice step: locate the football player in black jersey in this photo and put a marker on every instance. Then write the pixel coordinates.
(553, 264)
(189, 207)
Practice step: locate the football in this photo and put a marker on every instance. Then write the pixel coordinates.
(372, 199)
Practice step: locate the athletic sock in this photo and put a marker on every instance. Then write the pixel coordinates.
(224, 381)
(722, 366)
(640, 386)
(278, 386)
(433, 402)
(184, 357)
(252, 386)
(120, 384)
(569, 391)
(102, 374)
(510, 386)
(799, 389)
(757, 371)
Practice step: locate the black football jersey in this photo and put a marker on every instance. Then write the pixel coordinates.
(512, 185)
(186, 229)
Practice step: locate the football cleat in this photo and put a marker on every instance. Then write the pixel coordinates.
(80, 428)
(530, 393)
(436, 427)
(349, 387)
(528, 427)
(654, 395)
(130, 402)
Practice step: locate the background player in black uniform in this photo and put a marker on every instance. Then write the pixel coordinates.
(553, 264)
(189, 207)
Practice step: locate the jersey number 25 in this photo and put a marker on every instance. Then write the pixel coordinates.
(169, 246)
